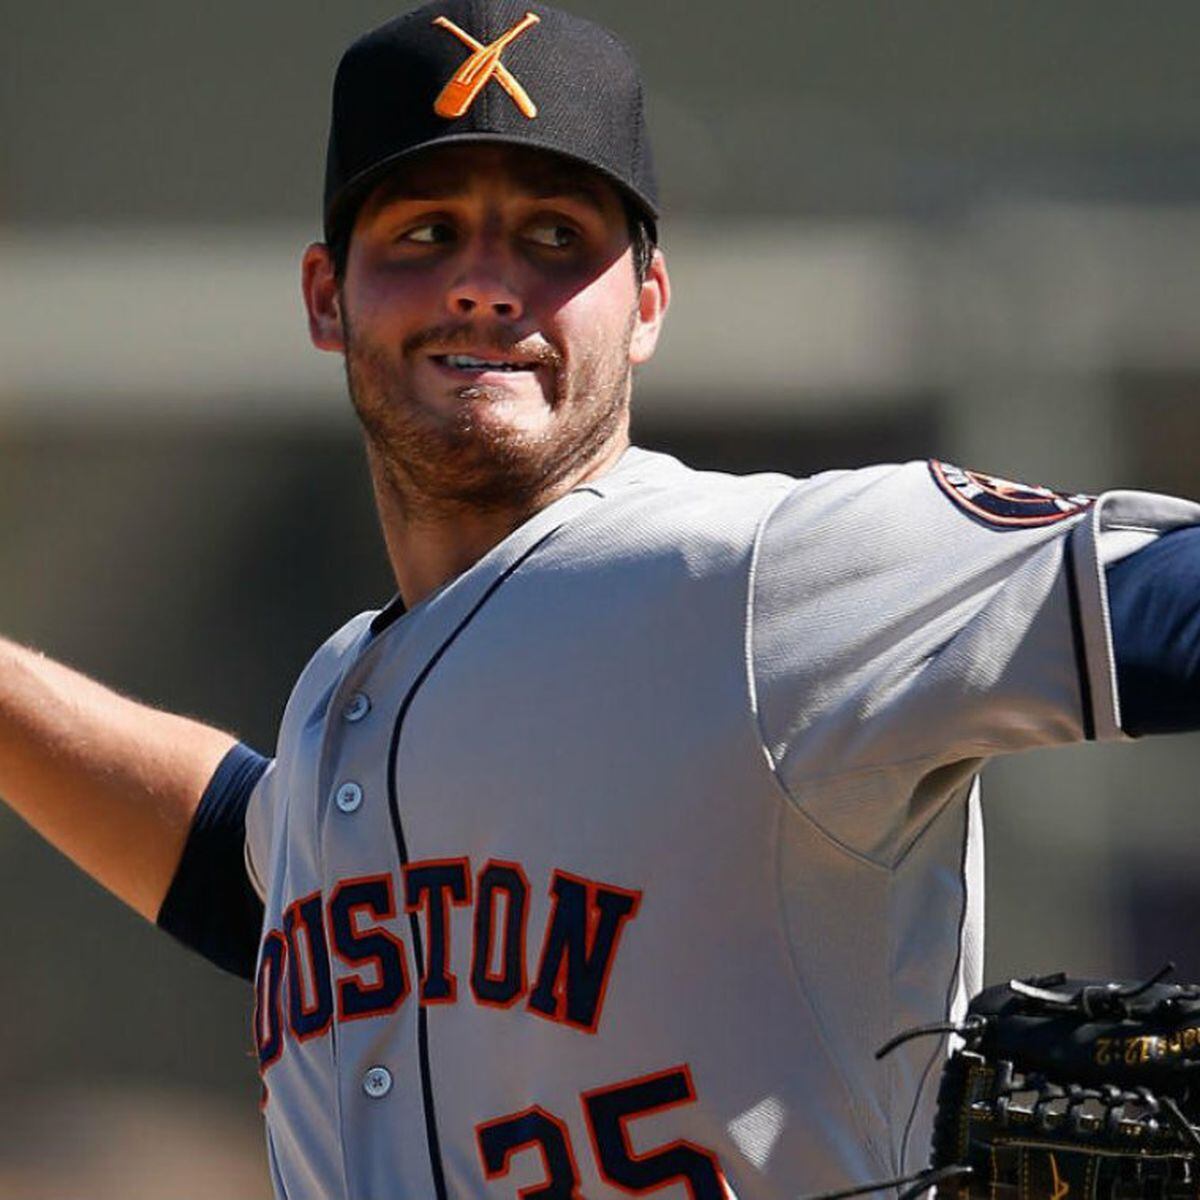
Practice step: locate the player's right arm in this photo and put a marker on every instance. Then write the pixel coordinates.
(112, 783)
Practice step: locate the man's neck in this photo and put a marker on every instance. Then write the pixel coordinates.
(430, 546)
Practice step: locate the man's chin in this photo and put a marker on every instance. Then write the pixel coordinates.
(524, 411)
(503, 446)
(483, 463)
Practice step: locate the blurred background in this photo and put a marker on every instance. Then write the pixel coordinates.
(961, 229)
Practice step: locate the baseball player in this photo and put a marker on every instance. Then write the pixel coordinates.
(601, 859)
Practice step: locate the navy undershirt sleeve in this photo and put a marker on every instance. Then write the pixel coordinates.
(210, 905)
(1154, 602)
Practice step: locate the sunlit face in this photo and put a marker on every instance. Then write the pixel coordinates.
(490, 317)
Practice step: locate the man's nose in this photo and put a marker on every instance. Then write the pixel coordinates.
(484, 288)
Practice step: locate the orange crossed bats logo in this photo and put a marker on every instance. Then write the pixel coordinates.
(471, 78)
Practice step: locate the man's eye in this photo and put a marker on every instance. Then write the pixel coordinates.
(434, 234)
(549, 233)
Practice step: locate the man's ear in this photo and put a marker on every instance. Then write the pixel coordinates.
(322, 298)
(653, 300)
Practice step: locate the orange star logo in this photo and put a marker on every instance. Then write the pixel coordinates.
(472, 77)
(1061, 1188)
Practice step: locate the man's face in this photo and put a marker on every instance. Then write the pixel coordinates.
(489, 316)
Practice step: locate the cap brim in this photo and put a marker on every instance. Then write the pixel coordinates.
(354, 191)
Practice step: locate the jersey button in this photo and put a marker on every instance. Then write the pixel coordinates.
(348, 797)
(357, 707)
(377, 1082)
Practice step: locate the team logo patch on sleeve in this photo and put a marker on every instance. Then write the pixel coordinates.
(1002, 503)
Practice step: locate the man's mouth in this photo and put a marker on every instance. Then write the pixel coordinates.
(469, 362)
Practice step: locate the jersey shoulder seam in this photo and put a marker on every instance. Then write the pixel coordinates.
(751, 685)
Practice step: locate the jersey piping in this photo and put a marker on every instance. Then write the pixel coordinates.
(431, 1128)
(1077, 640)
(969, 816)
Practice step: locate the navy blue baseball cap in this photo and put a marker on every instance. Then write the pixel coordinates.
(461, 71)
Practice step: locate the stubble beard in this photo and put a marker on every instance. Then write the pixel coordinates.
(434, 466)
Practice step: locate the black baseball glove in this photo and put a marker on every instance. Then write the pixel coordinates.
(1065, 1089)
(1069, 1089)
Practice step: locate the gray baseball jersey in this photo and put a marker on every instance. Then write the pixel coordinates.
(605, 870)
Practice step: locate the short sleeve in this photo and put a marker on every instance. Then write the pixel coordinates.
(902, 632)
(210, 905)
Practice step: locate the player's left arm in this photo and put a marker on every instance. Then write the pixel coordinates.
(947, 619)
(1154, 608)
